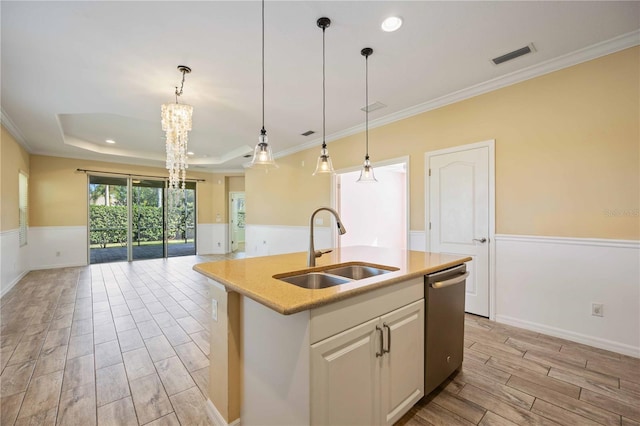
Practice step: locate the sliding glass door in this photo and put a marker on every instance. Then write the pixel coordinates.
(139, 218)
(181, 221)
(108, 219)
(147, 219)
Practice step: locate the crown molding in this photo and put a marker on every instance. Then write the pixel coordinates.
(588, 53)
(14, 131)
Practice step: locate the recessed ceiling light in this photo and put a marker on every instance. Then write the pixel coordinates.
(110, 141)
(190, 153)
(392, 23)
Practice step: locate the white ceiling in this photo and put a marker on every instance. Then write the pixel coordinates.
(76, 73)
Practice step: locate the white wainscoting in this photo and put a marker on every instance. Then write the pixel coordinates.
(14, 260)
(265, 240)
(57, 246)
(547, 284)
(212, 238)
(417, 240)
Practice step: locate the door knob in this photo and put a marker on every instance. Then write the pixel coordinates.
(480, 240)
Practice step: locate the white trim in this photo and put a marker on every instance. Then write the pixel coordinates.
(601, 242)
(215, 416)
(588, 53)
(491, 145)
(13, 283)
(11, 127)
(58, 265)
(609, 345)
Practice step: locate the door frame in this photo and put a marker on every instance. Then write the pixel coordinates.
(492, 209)
(229, 213)
(397, 160)
(165, 211)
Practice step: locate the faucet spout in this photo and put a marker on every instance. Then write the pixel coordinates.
(313, 253)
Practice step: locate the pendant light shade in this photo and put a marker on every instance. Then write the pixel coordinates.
(262, 155)
(366, 174)
(324, 164)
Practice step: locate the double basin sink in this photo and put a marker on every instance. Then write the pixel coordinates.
(335, 275)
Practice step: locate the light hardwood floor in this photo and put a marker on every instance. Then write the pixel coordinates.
(128, 344)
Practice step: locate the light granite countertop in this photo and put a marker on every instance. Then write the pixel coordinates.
(253, 277)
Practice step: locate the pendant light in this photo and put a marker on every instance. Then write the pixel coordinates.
(176, 123)
(262, 155)
(324, 164)
(366, 174)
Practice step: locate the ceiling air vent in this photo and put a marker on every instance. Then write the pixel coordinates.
(373, 107)
(308, 133)
(512, 55)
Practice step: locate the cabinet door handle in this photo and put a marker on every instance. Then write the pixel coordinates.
(388, 339)
(379, 354)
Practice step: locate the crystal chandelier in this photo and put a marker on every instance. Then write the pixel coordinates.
(176, 123)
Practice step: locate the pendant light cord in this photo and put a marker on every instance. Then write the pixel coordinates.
(324, 144)
(366, 105)
(263, 131)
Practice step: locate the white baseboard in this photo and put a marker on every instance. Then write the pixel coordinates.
(6, 289)
(215, 416)
(548, 284)
(574, 337)
(14, 259)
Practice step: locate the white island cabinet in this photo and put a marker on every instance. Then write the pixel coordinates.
(372, 373)
(355, 361)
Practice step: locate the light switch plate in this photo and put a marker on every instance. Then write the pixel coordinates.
(214, 310)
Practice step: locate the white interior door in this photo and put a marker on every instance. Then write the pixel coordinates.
(459, 216)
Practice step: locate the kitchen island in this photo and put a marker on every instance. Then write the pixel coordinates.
(282, 354)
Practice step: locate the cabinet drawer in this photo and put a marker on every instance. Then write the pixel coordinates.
(331, 319)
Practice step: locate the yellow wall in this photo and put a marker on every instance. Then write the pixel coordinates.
(58, 192)
(567, 154)
(235, 183)
(13, 158)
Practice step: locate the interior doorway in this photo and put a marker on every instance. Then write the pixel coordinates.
(134, 218)
(374, 214)
(236, 221)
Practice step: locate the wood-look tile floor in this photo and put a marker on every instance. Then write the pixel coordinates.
(128, 344)
(511, 376)
(109, 344)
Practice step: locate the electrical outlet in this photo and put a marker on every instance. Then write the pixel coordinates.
(57, 254)
(214, 310)
(597, 309)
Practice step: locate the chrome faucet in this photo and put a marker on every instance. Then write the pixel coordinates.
(313, 253)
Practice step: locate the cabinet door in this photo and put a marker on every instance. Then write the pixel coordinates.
(345, 377)
(403, 365)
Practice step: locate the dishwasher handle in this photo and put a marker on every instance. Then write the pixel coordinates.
(446, 283)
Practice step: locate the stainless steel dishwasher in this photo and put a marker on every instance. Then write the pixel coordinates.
(444, 328)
